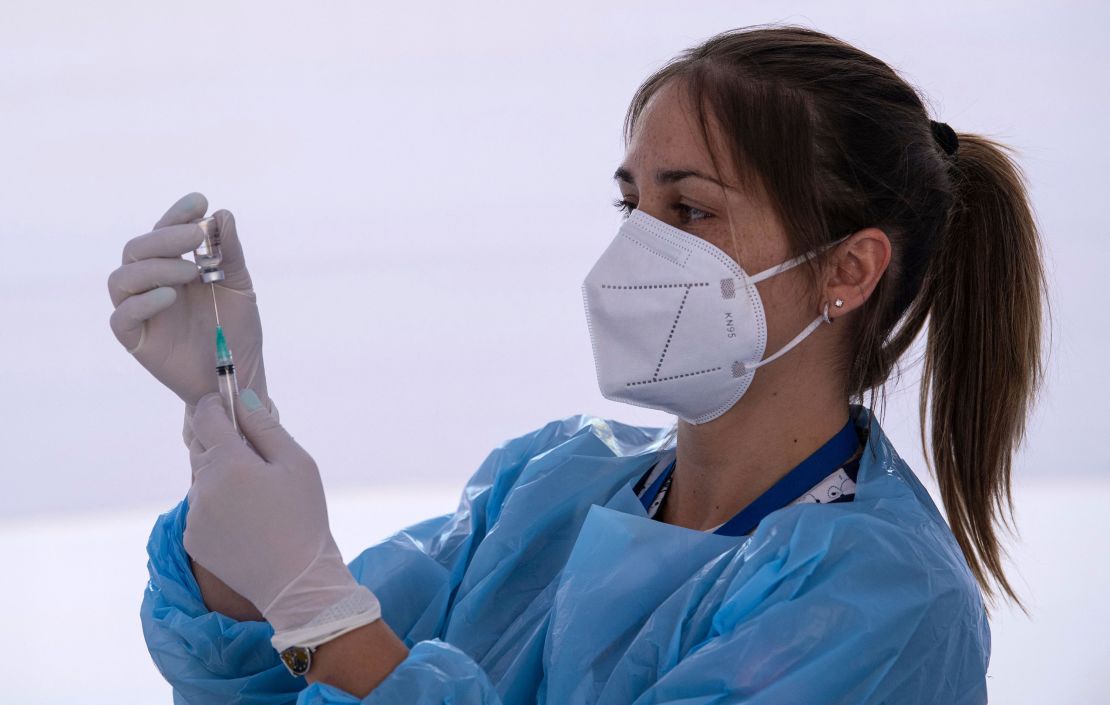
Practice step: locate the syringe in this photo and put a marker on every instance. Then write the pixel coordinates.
(225, 376)
(209, 257)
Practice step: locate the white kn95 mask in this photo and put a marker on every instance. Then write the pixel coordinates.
(675, 323)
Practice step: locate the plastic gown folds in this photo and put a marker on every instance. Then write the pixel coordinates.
(549, 584)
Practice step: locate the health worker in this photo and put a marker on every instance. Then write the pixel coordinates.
(795, 220)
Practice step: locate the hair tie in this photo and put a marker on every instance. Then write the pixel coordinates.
(945, 137)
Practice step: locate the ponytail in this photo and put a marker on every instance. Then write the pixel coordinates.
(983, 363)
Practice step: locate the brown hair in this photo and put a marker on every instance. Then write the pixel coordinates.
(839, 142)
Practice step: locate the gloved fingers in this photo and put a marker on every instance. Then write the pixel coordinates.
(196, 450)
(262, 430)
(127, 319)
(167, 241)
(187, 434)
(188, 208)
(211, 424)
(234, 264)
(144, 275)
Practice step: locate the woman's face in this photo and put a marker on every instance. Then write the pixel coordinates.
(658, 177)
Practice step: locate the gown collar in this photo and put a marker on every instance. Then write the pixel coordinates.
(823, 461)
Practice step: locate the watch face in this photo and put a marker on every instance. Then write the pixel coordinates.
(297, 659)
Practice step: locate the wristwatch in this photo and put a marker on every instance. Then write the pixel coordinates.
(298, 659)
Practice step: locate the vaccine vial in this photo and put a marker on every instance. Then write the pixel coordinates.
(208, 255)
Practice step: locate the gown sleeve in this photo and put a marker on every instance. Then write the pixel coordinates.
(208, 657)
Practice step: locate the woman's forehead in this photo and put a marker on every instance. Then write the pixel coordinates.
(666, 135)
(666, 126)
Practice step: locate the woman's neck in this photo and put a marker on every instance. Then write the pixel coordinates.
(725, 464)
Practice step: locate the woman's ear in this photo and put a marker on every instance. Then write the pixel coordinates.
(856, 265)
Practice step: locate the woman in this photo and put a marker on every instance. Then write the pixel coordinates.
(794, 218)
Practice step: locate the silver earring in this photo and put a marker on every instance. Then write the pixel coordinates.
(839, 303)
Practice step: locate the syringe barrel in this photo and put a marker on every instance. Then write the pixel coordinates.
(229, 389)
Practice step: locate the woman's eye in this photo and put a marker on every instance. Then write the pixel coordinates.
(686, 212)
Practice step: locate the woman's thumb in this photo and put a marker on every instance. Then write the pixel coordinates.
(234, 263)
(262, 429)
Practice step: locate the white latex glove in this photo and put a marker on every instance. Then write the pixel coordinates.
(190, 438)
(163, 311)
(258, 521)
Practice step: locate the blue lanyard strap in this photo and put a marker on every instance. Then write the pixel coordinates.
(649, 496)
(826, 459)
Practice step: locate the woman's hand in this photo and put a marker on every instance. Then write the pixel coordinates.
(258, 521)
(163, 311)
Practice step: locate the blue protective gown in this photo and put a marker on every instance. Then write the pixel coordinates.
(549, 584)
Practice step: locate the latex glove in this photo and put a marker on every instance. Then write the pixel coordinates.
(163, 311)
(190, 438)
(258, 521)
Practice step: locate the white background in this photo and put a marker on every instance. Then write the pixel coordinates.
(420, 189)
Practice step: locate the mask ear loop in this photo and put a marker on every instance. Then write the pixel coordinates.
(814, 324)
(793, 262)
(823, 318)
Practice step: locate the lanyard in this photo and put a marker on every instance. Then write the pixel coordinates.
(826, 459)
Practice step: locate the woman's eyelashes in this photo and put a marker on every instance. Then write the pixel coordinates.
(625, 206)
(686, 214)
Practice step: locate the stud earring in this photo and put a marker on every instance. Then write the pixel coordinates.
(839, 303)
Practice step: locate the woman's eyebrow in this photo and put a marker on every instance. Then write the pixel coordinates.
(664, 176)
